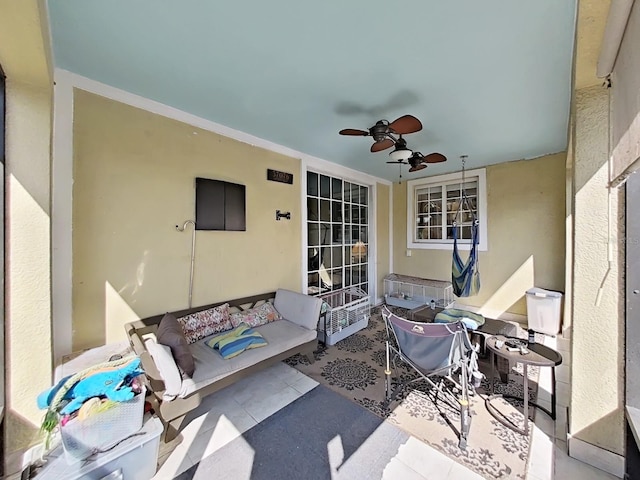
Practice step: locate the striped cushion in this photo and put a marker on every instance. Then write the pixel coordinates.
(236, 341)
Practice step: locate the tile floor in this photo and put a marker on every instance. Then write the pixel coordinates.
(272, 389)
(224, 416)
(548, 458)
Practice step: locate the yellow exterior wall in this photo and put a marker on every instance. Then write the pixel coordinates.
(525, 210)
(28, 358)
(134, 181)
(383, 243)
(597, 349)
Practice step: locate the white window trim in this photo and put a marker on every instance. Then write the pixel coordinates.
(412, 185)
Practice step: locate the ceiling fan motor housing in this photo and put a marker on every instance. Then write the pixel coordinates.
(379, 131)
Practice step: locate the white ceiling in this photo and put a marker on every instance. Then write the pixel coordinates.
(490, 79)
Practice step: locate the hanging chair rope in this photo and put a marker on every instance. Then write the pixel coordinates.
(465, 276)
(463, 196)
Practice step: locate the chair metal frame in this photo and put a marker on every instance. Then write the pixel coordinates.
(449, 346)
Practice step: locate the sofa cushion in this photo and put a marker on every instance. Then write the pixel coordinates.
(301, 309)
(211, 367)
(170, 333)
(206, 322)
(167, 367)
(254, 317)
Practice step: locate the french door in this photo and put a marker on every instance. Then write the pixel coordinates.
(337, 234)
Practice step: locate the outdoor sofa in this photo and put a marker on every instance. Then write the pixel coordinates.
(295, 332)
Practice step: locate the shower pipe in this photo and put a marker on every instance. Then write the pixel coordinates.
(193, 251)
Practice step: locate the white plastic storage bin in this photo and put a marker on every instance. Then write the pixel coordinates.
(134, 459)
(543, 310)
(104, 429)
(344, 312)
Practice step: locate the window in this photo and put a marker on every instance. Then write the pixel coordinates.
(434, 203)
(337, 234)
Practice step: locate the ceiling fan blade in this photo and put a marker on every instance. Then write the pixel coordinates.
(406, 124)
(420, 166)
(353, 131)
(398, 162)
(434, 158)
(382, 145)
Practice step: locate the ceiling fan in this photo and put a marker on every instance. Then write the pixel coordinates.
(416, 160)
(383, 131)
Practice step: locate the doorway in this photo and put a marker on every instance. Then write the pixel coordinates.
(337, 234)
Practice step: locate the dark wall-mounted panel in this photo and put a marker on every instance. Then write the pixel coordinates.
(220, 205)
(234, 207)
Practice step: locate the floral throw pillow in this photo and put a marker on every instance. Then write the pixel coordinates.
(207, 322)
(254, 317)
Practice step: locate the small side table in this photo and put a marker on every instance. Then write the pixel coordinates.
(538, 355)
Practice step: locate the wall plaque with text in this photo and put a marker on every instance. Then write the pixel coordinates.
(282, 177)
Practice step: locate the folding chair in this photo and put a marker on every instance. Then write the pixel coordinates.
(439, 351)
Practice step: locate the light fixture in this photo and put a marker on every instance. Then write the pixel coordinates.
(358, 251)
(401, 152)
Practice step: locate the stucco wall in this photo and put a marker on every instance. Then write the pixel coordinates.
(597, 376)
(27, 223)
(134, 175)
(525, 209)
(28, 313)
(383, 244)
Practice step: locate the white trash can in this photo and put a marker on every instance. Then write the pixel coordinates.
(543, 310)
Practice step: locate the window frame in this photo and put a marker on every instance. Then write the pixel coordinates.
(480, 175)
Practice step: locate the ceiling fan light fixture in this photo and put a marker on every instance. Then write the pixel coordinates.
(400, 154)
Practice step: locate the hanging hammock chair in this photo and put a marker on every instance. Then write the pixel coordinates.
(465, 276)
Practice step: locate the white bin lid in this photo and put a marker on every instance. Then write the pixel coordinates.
(541, 292)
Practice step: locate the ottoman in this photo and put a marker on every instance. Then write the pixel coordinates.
(423, 313)
(490, 328)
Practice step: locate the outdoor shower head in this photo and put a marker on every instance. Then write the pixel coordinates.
(185, 225)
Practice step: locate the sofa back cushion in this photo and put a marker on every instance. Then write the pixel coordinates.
(170, 333)
(254, 317)
(298, 308)
(206, 322)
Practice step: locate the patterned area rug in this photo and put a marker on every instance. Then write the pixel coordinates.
(354, 367)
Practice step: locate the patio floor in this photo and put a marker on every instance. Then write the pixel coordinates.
(224, 416)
